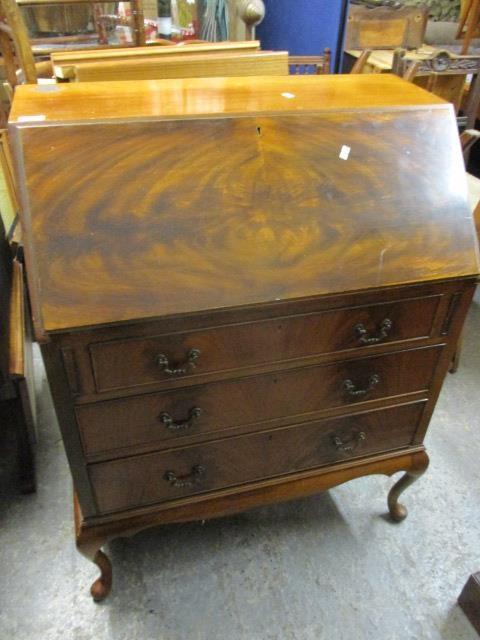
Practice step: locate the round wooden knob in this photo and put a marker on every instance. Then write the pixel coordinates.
(252, 12)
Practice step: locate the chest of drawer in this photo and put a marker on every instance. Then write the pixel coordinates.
(135, 362)
(158, 420)
(142, 480)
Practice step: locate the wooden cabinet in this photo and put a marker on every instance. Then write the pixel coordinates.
(247, 290)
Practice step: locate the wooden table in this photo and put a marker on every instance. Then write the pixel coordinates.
(247, 290)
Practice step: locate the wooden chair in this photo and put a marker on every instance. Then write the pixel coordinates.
(310, 65)
(468, 26)
(445, 75)
(468, 138)
(384, 27)
(381, 29)
(19, 63)
(100, 20)
(361, 61)
(15, 46)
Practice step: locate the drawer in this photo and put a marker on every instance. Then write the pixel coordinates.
(159, 419)
(158, 477)
(121, 364)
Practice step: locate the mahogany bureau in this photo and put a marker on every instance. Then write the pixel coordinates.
(246, 289)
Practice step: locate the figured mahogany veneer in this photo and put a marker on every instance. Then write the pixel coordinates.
(247, 289)
(292, 395)
(249, 344)
(253, 227)
(144, 479)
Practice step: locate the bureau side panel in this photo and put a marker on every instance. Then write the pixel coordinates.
(59, 372)
(452, 327)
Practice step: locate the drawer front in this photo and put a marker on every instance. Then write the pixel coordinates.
(122, 364)
(158, 477)
(158, 419)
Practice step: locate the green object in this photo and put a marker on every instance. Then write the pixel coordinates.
(215, 20)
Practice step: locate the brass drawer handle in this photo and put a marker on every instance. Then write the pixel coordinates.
(164, 364)
(171, 425)
(347, 446)
(383, 332)
(194, 477)
(351, 388)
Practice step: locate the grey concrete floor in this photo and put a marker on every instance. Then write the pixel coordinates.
(326, 567)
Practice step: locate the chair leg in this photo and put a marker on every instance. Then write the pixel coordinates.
(11, 12)
(361, 61)
(472, 25)
(463, 20)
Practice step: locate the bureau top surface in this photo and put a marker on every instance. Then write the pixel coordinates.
(143, 210)
(195, 97)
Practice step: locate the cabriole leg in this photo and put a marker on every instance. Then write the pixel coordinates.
(398, 511)
(89, 542)
(103, 584)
